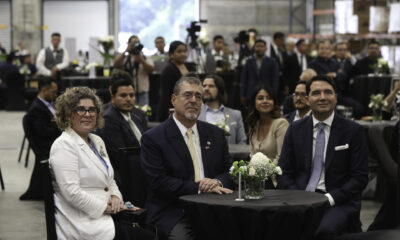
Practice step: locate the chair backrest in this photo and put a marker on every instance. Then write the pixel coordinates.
(133, 179)
(28, 133)
(48, 200)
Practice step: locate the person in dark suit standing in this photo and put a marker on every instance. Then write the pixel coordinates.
(258, 70)
(123, 123)
(278, 52)
(43, 131)
(328, 154)
(300, 103)
(296, 64)
(183, 156)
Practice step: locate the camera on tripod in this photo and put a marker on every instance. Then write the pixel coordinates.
(194, 28)
(136, 49)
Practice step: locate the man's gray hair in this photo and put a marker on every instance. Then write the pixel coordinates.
(187, 79)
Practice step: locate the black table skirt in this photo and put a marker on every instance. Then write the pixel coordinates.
(282, 214)
(365, 85)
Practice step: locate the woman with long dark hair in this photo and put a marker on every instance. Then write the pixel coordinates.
(175, 69)
(267, 127)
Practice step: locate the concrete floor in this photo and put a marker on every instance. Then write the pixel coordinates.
(25, 219)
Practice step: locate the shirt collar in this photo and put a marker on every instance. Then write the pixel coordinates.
(327, 121)
(52, 48)
(126, 116)
(305, 115)
(213, 52)
(44, 101)
(220, 109)
(184, 129)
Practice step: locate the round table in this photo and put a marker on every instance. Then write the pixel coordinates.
(281, 214)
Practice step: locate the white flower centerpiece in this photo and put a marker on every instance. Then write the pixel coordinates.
(376, 104)
(223, 125)
(107, 43)
(145, 108)
(254, 174)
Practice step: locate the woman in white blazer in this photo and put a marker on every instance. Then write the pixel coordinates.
(83, 178)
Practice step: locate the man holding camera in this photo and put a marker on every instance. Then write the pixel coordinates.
(133, 61)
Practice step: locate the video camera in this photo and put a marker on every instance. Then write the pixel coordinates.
(194, 28)
(136, 49)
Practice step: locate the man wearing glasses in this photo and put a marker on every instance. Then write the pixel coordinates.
(183, 156)
(299, 102)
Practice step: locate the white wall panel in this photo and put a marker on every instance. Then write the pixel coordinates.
(5, 19)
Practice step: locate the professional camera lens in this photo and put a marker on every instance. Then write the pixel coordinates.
(136, 49)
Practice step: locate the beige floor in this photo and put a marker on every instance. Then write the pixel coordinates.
(25, 220)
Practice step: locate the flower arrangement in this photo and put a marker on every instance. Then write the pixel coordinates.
(376, 104)
(107, 43)
(254, 173)
(224, 126)
(24, 70)
(381, 67)
(145, 108)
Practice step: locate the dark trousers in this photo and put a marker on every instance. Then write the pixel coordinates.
(125, 231)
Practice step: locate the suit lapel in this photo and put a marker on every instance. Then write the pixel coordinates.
(330, 151)
(206, 147)
(179, 145)
(124, 123)
(44, 107)
(89, 153)
(309, 143)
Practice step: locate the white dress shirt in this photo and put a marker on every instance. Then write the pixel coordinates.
(42, 70)
(297, 116)
(299, 57)
(196, 139)
(327, 129)
(214, 116)
(48, 105)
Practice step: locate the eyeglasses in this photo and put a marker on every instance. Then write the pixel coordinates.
(189, 95)
(299, 94)
(80, 110)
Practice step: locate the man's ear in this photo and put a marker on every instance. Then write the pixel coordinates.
(173, 97)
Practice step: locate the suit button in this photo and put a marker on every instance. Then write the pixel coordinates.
(106, 189)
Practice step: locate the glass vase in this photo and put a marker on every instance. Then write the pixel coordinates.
(376, 115)
(254, 188)
(106, 67)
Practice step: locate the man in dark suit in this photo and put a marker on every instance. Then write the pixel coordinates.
(296, 64)
(278, 52)
(369, 64)
(183, 156)
(123, 123)
(328, 154)
(300, 103)
(42, 133)
(258, 69)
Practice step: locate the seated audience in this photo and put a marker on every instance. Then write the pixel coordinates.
(288, 105)
(52, 59)
(85, 191)
(139, 66)
(123, 123)
(43, 131)
(327, 154)
(300, 103)
(214, 111)
(259, 69)
(183, 156)
(27, 67)
(172, 73)
(369, 64)
(266, 126)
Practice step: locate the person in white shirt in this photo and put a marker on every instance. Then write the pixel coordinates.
(52, 59)
(299, 102)
(160, 58)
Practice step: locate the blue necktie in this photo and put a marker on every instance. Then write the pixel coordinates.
(318, 159)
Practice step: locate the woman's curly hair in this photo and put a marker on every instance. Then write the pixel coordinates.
(66, 103)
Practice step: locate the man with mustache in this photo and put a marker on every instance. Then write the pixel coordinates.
(123, 123)
(214, 111)
(183, 156)
(300, 103)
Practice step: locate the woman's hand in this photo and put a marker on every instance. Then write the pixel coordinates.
(115, 204)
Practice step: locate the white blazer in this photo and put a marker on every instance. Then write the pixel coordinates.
(82, 188)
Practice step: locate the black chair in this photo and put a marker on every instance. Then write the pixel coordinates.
(133, 179)
(385, 142)
(15, 92)
(26, 130)
(1, 180)
(48, 200)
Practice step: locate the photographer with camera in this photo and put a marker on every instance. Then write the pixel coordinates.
(216, 60)
(133, 61)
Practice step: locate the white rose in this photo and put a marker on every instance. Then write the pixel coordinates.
(252, 171)
(278, 170)
(231, 169)
(226, 128)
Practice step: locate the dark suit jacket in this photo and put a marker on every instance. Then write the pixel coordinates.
(117, 133)
(292, 71)
(346, 170)
(43, 129)
(275, 56)
(169, 168)
(290, 116)
(251, 77)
